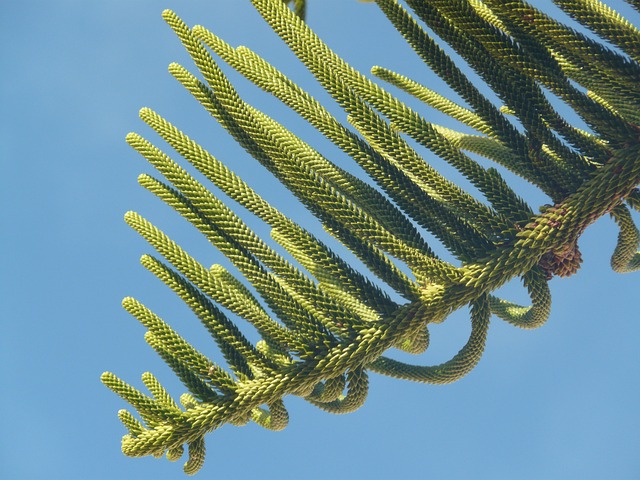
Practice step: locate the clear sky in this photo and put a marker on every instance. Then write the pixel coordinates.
(560, 402)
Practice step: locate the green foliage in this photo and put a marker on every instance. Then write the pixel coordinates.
(325, 326)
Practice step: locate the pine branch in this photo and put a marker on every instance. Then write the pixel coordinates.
(324, 325)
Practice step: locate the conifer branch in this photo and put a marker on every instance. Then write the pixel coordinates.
(324, 325)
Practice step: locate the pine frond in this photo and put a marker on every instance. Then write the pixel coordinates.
(606, 22)
(626, 257)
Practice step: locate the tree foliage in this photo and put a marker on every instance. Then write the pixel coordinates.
(324, 325)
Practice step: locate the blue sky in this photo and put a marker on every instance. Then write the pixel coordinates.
(558, 402)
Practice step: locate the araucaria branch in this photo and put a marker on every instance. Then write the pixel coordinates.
(326, 325)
